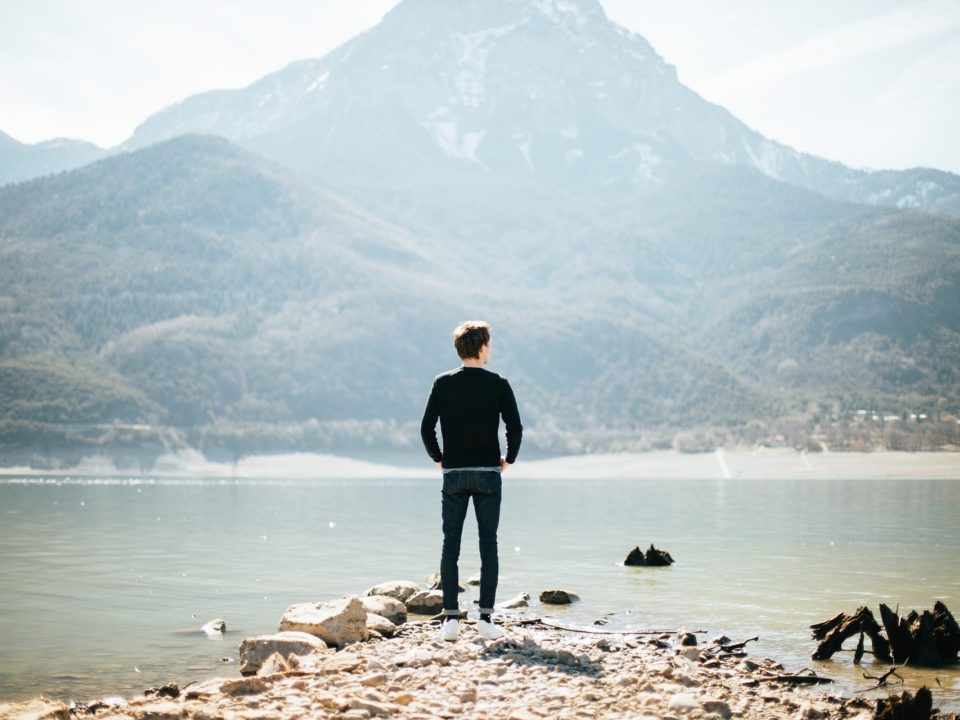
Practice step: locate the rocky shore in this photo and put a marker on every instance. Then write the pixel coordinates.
(354, 663)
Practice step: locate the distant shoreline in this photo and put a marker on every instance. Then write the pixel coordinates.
(771, 464)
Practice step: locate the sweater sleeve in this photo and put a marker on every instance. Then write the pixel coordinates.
(511, 419)
(428, 425)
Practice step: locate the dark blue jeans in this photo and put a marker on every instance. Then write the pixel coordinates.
(458, 487)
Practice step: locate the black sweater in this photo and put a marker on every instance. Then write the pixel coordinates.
(469, 402)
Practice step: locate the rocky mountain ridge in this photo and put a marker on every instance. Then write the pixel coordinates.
(545, 88)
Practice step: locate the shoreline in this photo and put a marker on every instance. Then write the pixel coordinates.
(766, 463)
(536, 671)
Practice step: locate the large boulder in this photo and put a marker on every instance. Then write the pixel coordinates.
(337, 622)
(400, 590)
(426, 602)
(254, 651)
(390, 608)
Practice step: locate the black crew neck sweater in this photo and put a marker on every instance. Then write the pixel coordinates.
(469, 402)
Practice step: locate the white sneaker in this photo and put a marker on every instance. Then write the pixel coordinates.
(489, 630)
(450, 629)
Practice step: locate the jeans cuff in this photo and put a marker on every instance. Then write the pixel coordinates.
(454, 613)
(486, 611)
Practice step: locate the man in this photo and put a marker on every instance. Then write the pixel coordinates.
(469, 402)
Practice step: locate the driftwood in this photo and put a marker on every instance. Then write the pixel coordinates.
(733, 648)
(820, 630)
(882, 679)
(834, 631)
(803, 677)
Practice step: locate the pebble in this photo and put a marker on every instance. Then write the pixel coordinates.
(808, 712)
(682, 701)
(717, 707)
(373, 679)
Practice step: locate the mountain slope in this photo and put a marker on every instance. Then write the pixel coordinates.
(220, 296)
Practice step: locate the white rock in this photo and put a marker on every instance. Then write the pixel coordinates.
(425, 602)
(682, 701)
(276, 663)
(685, 680)
(414, 658)
(380, 624)
(385, 606)
(400, 590)
(374, 679)
(254, 651)
(215, 627)
(690, 653)
(337, 622)
(244, 686)
(521, 600)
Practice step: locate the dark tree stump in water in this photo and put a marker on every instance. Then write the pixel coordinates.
(929, 639)
(925, 651)
(652, 558)
(947, 632)
(838, 629)
(905, 706)
(898, 633)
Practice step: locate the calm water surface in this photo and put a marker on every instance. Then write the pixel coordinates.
(99, 578)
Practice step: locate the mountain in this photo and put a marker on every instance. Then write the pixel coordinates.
(294, 287)
(19, 161)
(544, 88)
(192, 285)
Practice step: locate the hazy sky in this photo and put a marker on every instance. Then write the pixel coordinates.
(872, 83)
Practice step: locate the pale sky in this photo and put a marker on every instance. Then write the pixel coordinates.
(872, 83)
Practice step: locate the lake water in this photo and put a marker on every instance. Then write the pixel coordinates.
(98, 577)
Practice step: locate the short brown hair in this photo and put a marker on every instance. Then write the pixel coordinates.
(469, 337)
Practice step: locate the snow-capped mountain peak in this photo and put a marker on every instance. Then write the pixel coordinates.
(545, 88)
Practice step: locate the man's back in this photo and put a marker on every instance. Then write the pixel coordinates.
(469, 402)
